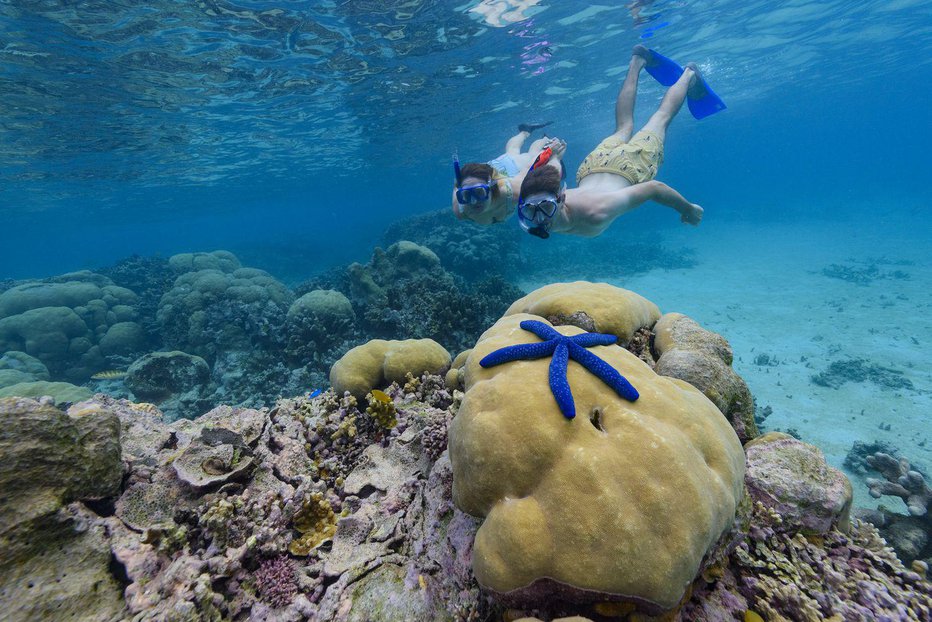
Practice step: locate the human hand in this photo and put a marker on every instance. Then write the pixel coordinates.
(693, 215)
(558, 146)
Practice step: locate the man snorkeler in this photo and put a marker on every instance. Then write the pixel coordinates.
(486, 193)
(618, 176)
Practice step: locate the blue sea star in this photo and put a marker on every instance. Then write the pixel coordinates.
(562, 349)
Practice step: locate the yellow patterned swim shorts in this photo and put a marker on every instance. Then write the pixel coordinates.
(636, 160)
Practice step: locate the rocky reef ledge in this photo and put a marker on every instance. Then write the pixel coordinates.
(336, 508)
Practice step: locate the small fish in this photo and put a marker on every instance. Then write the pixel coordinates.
(314, 393)
(381, 396)
(110, 374)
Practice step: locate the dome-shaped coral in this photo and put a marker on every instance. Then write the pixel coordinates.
(594, 307)
(622, 502)
(379, 363)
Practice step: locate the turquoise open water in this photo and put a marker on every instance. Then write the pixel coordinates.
(294, 133)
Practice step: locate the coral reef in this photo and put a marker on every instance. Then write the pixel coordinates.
(127, 534)
(76, 324)
(910, 535)
(382, 409)
(403, 292)
(55, 557)
(378, 363)
(659, 479)
(317, 321)
(149, 278)
(593, 307)
(177, 382)
(856, 458)
(860, 370)
(276, 581)
(464, 248)
(59, 392)
(208, 310)
(900, 481)
(322, 525)
(792, 479)
(702, 358)
(787, 576)
(866, 271)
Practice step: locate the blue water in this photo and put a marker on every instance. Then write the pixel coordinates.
(293, 134)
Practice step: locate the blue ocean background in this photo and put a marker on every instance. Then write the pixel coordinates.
(293, 134)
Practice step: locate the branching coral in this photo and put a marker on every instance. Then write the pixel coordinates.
(382, 409)
(276, 581)
(316, 522)
(899, 481)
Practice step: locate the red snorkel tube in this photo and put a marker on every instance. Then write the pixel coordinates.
(542, 158)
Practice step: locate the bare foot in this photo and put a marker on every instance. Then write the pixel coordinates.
(696, 88)
(643, 52)
(693, 215)
(640, 57)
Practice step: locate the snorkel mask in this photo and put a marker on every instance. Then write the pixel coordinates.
(537, 217)
(470, 194)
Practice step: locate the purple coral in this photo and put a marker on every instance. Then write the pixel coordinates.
(899, 481)
(277, 581)
(434, 440)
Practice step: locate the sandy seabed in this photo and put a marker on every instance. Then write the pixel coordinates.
(762, 286)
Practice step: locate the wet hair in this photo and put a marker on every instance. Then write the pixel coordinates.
(483, 171)
(544, 179)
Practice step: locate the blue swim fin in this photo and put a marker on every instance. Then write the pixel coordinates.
(701, 99)
(664, 70)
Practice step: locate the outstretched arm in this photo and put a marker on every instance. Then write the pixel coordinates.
(659, 192)
(592, 213)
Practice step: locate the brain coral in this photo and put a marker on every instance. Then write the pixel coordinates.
(594, 307)
(622, 502)
(63, 322)
(378, 363)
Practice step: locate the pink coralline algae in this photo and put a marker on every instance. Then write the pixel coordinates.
(276, 581)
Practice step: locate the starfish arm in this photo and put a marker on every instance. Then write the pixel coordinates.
(536, 350)
(588, 340)
(605, 372)
(559, 385)
(540, 329)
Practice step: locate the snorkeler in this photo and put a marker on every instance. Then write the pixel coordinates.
(618, 176)
(486, 193)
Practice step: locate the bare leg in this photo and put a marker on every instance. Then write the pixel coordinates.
(514, 144)
(624, 106)
(670, 105)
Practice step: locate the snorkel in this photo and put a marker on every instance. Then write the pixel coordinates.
(458, 174)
